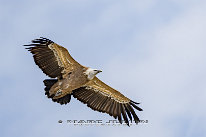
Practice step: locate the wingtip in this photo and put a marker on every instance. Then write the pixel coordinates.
(128, 125)
(135, 106)
(134, 102)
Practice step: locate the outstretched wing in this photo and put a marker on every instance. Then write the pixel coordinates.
(99, 96)
(53, 59)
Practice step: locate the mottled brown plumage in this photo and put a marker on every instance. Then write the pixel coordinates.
(79, 81)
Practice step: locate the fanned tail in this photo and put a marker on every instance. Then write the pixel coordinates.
(49, 83)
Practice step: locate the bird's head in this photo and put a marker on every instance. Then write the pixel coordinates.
(90, 73)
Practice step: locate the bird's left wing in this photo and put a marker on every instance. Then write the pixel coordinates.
(101, 97)
(53, 59)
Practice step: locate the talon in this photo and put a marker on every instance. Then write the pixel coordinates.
(59, 92)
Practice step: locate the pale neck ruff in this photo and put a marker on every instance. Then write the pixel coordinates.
(90, 73)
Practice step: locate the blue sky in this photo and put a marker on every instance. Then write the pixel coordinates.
(153, 51)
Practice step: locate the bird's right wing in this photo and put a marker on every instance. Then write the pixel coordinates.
(101, 97)
(53, 59)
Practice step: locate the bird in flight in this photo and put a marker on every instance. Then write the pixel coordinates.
(69, 78)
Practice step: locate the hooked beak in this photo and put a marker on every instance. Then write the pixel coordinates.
(99, 71)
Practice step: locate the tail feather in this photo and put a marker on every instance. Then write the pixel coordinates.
(63, 100)
(49, 83)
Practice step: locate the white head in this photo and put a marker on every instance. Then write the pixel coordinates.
(91, 73)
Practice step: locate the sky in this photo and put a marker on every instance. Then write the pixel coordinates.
(152, 51)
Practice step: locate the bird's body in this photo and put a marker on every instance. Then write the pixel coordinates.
(72, 81)
(71, 78)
